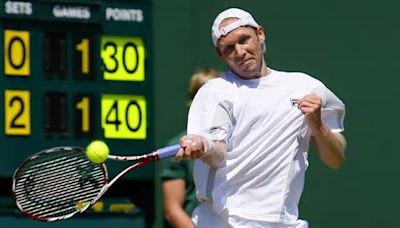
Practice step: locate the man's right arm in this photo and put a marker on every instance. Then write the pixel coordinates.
(198, 147)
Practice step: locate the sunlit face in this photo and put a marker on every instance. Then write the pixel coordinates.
(242, 50)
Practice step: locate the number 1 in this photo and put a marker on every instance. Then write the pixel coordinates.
(84, 106)
(83, 47)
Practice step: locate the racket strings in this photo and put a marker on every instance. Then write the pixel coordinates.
(53, 185)
(51, 212)
(57, 183)
(56, 192)
(57, 197)
(58, 176)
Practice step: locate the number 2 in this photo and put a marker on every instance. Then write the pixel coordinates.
(17, 112)
(14, 120)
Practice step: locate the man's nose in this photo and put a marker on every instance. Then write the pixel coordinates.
(239, 50)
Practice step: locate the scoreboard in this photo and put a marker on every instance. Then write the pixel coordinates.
(75, 71)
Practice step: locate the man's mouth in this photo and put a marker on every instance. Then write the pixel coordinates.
(245, 63)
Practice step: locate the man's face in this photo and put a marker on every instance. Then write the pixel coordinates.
(242, 50)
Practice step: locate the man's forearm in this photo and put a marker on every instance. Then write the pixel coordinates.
(330, 146)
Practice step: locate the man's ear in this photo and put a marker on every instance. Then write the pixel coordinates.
(261, 34)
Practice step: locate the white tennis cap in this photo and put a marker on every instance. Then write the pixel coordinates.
(244, 17)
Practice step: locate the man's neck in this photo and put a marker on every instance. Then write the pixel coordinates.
(264, 69)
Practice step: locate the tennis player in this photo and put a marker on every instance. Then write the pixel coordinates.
(255, 124)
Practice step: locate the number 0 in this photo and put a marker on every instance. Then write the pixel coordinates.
(139, 115)
(16, 53)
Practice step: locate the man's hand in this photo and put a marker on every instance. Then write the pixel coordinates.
(310, 106)
(330, 146)
(193, 147)
(198, 147)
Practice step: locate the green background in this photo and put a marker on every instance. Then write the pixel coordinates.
(352, 46)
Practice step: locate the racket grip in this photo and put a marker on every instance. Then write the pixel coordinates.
(168, 151)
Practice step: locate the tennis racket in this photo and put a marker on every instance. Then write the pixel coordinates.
(57, 183)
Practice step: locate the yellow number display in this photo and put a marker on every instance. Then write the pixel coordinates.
(84, 107)
(17, 53)
(123, 58)
(123, 116)
(83, 47)
(17, 112)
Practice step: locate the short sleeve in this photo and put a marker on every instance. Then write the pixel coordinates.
(333, 109)
(210, 114)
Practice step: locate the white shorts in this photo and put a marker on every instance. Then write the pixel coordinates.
(205, 217)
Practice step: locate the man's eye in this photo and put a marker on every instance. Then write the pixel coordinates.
(228, 50)
(243, 40)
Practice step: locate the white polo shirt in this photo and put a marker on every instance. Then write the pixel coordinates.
(262, 179)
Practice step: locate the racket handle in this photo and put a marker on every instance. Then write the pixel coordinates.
(168, 151)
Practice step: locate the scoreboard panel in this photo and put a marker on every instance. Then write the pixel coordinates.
(72, 72)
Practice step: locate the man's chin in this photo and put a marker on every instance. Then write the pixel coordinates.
(249, 71)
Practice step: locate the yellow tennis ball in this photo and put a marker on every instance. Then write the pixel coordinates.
(97, 151)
